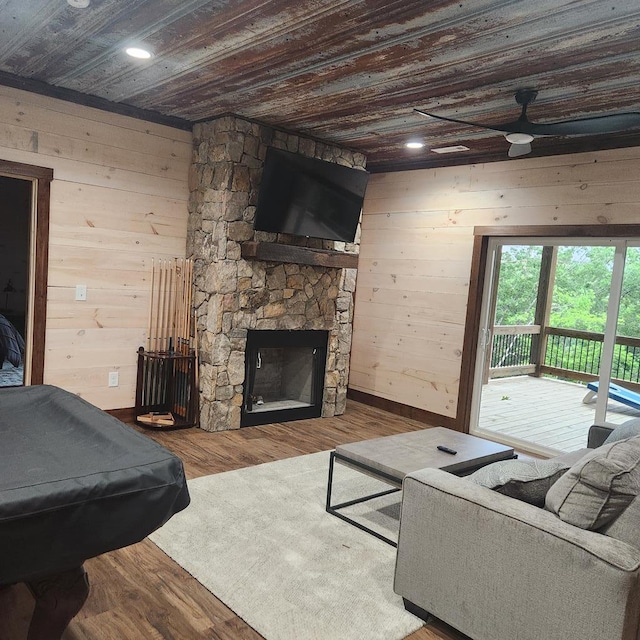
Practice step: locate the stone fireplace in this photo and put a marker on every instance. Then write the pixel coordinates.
(234, 295)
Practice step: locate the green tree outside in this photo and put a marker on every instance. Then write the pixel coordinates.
(580, 300)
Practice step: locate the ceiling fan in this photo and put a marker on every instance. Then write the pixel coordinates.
(522, 131)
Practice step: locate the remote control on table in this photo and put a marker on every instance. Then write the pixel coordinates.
(447, 449)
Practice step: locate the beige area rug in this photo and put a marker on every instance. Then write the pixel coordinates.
(261, 541)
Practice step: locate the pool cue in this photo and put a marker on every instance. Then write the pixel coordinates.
(171, 315)
(190, 379)
(194, 398)
(153, 273)
(157, 378)
(146, 374)
(187, 307)
(165, 307)
(153, 381)
(159, 306)
(179, 307)
(183, 365)
(175, 364)
(189, 304)
(190, 360)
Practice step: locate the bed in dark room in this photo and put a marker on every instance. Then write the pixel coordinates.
(11, 354)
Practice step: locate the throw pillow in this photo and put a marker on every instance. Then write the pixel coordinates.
(623, 431)
(526, 480)
(599, 487)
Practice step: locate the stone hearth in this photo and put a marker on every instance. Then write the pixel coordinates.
(233, 295)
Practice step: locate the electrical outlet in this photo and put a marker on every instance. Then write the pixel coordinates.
(113, 379)
(81, 292)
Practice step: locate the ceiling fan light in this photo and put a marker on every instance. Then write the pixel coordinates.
(519, 138)
(517, 150)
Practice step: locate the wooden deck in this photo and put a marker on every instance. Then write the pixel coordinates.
(549, 413)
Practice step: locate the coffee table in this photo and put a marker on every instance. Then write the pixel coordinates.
(390, 458)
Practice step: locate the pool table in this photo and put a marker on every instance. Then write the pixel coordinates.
(74, 483)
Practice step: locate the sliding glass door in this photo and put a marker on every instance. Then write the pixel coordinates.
(549, 337)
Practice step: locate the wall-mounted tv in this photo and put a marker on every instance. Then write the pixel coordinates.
(309, 197)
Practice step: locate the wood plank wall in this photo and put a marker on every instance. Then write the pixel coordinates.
(416, 249)
(118, 199)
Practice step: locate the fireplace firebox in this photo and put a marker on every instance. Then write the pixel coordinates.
(284, 376)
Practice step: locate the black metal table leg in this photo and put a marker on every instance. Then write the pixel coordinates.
(333, 509)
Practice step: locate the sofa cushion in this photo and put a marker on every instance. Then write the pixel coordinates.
(623, 431)
(626, 527)
(526, 480)
(598, 487)
(597, 435)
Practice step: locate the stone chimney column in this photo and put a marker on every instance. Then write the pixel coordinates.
(233, 295)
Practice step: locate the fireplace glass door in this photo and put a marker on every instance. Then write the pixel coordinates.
(284, 376)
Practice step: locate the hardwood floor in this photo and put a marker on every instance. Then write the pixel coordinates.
(139, 593)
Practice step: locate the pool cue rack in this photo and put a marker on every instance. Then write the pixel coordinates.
(167, 376)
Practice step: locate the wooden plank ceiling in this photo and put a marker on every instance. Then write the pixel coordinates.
(348, 72)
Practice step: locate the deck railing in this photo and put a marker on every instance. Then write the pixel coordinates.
(511, 352)
(565, 353)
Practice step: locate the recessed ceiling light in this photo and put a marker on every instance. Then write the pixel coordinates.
(414, 144)
(79, 4)
(458, 147)
(136, 52)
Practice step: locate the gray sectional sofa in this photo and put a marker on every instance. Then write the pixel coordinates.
(563, 565)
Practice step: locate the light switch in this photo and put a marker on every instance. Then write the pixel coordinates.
(81, 292)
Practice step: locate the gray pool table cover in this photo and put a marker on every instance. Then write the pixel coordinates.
(75, 482)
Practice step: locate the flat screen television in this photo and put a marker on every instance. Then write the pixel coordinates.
(309, 197)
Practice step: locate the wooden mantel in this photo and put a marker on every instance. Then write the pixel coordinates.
(274, 252)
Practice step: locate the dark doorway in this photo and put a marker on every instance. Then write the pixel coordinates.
(38, 180)
(15, 222)
(284, 376)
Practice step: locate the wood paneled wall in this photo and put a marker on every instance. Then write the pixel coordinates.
(118, 199)
(416, 250)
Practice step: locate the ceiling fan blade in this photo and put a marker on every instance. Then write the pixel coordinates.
(612, 123)
(594, 125)
(522, 125)
(516, 150)
(502, 128)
